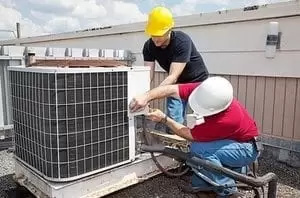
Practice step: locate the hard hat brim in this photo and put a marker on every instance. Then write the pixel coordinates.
(157, 32)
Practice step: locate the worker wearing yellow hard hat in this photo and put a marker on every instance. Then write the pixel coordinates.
(176, 54)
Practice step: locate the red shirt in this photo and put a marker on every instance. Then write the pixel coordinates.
(234, 123)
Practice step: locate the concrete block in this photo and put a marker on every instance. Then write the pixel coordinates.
(283, 155)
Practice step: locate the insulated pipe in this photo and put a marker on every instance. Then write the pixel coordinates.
(269, 178)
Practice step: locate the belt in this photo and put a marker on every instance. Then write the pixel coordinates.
(257, 143)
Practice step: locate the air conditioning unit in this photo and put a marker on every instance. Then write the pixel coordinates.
(74, 122)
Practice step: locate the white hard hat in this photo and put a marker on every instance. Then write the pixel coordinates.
(212, 96)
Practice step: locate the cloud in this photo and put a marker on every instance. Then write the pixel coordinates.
(89, 10)
(84, 14)
(179, 9)
(11, 16)
(8, 3)
(53, 6)
(218, 2)
(187, 7)
(123, 12)
(62, 24)
(42, 16)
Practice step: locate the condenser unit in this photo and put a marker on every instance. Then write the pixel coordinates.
(73, 122)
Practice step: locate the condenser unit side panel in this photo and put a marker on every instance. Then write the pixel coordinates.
(138, 83)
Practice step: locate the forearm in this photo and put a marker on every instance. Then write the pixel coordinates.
(162, 92)
(169, 80)
(174, 73)
(150, 64)
(179, 129)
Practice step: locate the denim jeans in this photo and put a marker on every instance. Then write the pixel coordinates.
(228, 153)
(176, 109)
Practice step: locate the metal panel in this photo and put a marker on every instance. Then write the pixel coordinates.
(74, 123)
(6, 124)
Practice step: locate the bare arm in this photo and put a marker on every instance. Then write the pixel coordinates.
(163, 92)
(179, 129)
(152, 67)
(174, 73)
(141, 101)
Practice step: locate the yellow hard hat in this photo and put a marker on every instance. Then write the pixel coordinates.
(160, 20)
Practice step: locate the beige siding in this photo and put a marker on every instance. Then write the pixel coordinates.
(235, 84)
(242, 89)
(274, 102)
(259, 101)
(279, 106)
(289, 108)
(296, 134)
(250, 99)
(269, 105)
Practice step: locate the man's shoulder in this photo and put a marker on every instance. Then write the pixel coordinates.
(148, 47)
(147, 42)
(179, 35)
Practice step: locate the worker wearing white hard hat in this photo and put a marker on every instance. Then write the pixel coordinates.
(220, 128)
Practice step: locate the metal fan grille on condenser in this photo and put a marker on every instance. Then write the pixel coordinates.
(70, 124)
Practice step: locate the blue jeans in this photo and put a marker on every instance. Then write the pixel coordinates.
(228, 153)
(176, 109)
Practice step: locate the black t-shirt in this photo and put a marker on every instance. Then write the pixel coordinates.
(180, 49)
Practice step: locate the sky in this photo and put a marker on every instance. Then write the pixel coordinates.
(40, 17)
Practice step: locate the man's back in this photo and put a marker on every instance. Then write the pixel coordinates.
(234, 123)
(181, 49)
